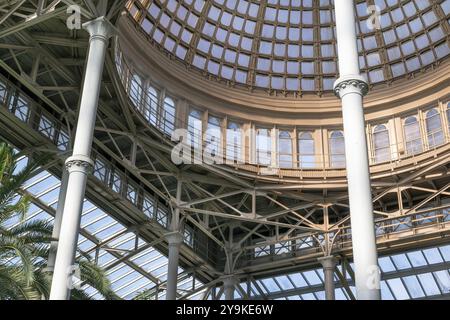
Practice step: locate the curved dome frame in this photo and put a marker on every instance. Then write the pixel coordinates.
(290, 46)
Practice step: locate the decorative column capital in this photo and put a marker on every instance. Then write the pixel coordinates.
(174, 238)
(79, 163)
(351, 84)
(99, 28)
(328, 262)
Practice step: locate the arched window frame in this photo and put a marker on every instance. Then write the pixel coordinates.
(306, 150)
(285, 157)
(213, 135)
(381, 143)
(412, 135)
(195, 128)
(168, 113)
(337, 157)
(263, 146)
(435, 134)
(234, 142)
(152, 105)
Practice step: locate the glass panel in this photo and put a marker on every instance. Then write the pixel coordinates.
(168, 116)
(413, 286)
(234, 143)
(398, 289)
(263, 146)
(337, 150)
(306, 157)
(285, 149)
(381, 144)
(434, 128)
(413, 137)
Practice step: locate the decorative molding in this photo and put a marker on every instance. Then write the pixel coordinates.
(328, 262)
(79, 163)
(100, 28)
(351, 83)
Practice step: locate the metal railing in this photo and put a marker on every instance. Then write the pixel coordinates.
(387, 229)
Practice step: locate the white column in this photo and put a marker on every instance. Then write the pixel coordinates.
(328, 265)
(79, 164)
(57, 221)
(350, 88)
(174, 239)
(229, 284)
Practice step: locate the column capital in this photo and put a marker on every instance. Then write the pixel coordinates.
(328, 262)
(99, 28)
(79, 163)
(174, 238)
(353, 83)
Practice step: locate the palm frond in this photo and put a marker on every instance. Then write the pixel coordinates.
(96, 277)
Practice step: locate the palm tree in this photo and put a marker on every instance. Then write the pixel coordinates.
(24, 247)
(147, 294)
(21, 246)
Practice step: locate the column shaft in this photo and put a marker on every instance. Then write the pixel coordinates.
(360, 198)
(346, 37)
(79, 164)
(328, 264)
(351, 88)
(228, 287)
(175, 240)
(57, 221)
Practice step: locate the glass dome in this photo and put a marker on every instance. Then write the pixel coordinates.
(290, 45)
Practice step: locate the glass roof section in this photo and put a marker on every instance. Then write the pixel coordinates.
(415, 274)
(290, 45)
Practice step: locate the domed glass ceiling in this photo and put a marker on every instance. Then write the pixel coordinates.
(290, 45)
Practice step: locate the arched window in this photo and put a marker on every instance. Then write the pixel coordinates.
(413, 138)
(448, 115)
(151, 108)
(306, 157)
(285, 149)
(168, 116)
(213, 136)
(434, 128)
(195, 128)
(263, 146)
(234, 142)
(381, 144)
(136, 91)
(337, 149)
